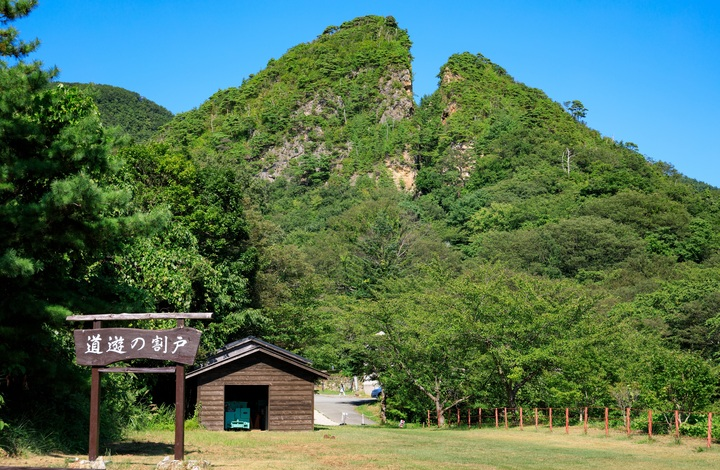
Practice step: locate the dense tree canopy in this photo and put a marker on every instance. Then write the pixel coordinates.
(62, 220)
(137, 116)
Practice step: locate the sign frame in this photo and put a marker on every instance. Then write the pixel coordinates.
(97, 360)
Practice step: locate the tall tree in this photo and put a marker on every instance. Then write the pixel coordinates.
(576, 109)
(422, 348)
(523, 324)
(60, 222)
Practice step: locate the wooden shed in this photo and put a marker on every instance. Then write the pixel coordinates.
(252, 384)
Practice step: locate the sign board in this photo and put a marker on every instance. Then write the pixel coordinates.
(103, 346)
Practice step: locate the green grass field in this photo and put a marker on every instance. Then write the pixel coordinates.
(412, 448)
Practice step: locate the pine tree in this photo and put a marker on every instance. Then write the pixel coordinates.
(10, 44)
(60, 223)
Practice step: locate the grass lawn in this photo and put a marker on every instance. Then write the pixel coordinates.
(411, 448)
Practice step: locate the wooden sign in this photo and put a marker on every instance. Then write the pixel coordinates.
(103, 346)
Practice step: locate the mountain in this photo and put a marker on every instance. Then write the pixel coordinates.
(481, 247)
(137, 116)
(335, 105)
(487, 165)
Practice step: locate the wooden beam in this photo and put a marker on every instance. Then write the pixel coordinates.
(139, 370)
(140, 316)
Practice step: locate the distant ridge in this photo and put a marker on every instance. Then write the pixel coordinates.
(137, 116)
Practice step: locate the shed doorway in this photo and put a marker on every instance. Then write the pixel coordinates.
(246, 407)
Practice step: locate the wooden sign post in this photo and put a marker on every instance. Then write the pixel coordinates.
(98, 347)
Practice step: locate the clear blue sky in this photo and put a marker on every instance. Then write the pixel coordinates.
(648, 71)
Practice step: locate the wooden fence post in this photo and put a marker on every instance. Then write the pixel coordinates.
(709, 440)
(179, 412)
(497, 421)
(649, 424)
(458, 416)
(627, 421)
(586, 420)
(505, 415)
(94, 436)
(607, 428)
(567, 420)
(550, 416)
(536, 419)
(677, 424)
(428, 420)
(94, 440)
(479, 418)
(521, 419)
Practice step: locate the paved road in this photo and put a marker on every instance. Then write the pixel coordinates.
(331, 408)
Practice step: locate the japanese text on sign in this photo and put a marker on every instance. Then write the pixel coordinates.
(108, 345)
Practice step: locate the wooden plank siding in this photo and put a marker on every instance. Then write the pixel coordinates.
(291, 398)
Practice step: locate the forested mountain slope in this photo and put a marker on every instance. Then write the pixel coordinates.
(525, 182)
(356, 197)
(137, 116)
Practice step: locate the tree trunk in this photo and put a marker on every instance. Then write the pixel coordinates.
(383, 408)
(440, 413)
(512, 397)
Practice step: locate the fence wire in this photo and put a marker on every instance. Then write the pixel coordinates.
(629, 420)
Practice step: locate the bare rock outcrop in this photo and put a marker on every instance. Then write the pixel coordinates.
(398, 102)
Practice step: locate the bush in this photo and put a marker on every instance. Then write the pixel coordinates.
(698, 427)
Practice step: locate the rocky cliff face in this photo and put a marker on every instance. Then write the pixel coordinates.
(396, 90)
(331, 106)
(395, 104)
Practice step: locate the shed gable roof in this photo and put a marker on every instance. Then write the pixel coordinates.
(251, 345)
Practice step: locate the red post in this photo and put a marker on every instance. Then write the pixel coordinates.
(468, 417)
(428, 420)
(497, 421)
(607, 428)
(586, 420)
(567, 420)
(709, 440)
(521, 419)
(536, 419)
(479, 418)
(649, 424)
(458, 416)
(550, 416)
(627, 420)
(505, 414)
(677, 424)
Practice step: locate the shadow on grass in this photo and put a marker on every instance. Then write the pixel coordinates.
(323, 428)
(141, 448)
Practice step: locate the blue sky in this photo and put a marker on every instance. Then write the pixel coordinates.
(648, 71)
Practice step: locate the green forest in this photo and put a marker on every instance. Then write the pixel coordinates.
(483, 247)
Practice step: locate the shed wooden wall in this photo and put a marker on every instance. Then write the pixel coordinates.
(291, 395)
